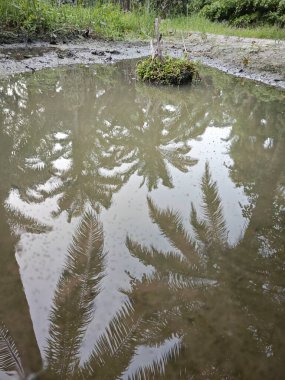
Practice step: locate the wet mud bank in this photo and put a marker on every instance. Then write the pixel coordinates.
(256, 59)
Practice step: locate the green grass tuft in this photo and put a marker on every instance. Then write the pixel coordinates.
(166, 71)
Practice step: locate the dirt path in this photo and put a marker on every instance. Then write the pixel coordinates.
(258, 59)
(261, 60)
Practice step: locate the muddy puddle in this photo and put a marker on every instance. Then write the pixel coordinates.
(142, 229)
(21, 54)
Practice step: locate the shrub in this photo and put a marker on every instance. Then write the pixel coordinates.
(196, 5)
(246, 12)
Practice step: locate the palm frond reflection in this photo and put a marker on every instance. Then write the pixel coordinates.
(72, 312)
(206, 285)
(10, 360)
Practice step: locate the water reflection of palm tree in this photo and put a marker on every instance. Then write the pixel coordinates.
(99, 138)
(153, 137)
(35, 174)
(149, 152)
(29, 108)
(185, 293)
(84, 180)
(72, 311)
(223, 316)
(16, 117)
(76, 291)
(184, 276)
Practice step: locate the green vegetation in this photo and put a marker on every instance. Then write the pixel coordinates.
(39, 19)
(243, 18)
(243, 13)
(166, 71)
(239, 13)
(199, 23)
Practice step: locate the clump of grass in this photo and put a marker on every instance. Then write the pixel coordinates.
(37, 19)
(197, 23)
(166, 70)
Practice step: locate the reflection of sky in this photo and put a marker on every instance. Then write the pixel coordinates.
(62, 164)
(41, 257)
(149, 356)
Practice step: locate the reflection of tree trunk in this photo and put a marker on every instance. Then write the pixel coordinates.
(14, 310)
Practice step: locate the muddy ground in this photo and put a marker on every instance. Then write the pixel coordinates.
(257, 59)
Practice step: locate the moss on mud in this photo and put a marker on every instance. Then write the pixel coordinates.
(166, 70)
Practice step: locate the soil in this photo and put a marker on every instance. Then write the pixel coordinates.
(258, 59)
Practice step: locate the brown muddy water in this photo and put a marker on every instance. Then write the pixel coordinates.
(142, 229)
